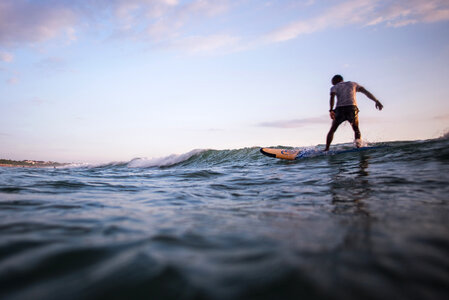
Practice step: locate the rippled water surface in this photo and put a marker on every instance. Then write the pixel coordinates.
(231, 225)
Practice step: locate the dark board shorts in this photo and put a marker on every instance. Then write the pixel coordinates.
(346, 113)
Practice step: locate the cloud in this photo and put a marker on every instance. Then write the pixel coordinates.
(403, 13)
(33, 22)
(13, 80)
(348, 12)
(13, 77)
(321, 120)
(168, 22)
(180, 26)
(6, 57)
(161, 18)
(131, 13)
(393, 13)
(443, 117)
(195, 26)
(295, 123)
(173, 24)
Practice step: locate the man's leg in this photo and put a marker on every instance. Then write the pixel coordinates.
(330, 135)
(357, 134)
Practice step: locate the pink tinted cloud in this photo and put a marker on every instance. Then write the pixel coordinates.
(394, 13)
(174, 23)
(175, 19)
(442, 117)
(13, 80)
(295, 123)
(403, 13)
(341, 14)
(6, 57)
(24, 22)
(33, 21)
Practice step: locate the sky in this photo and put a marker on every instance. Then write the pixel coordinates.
(112, 80)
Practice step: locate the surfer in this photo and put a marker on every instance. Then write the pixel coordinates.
(346, 108)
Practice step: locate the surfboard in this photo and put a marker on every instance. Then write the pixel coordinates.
(294, 154)
(289, 154)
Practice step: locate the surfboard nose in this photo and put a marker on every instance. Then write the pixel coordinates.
(266, 153)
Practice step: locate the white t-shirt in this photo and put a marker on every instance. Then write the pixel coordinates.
(346, 93)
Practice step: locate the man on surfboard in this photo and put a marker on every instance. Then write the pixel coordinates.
(346, 108)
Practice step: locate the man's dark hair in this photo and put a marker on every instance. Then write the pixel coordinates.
(337, 79)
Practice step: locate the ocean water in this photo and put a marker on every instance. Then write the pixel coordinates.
(231, 224)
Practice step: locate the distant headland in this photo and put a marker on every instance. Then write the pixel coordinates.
(29, 163)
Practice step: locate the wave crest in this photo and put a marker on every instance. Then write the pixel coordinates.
(163, 161)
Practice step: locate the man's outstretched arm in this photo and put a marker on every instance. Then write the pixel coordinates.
(379, 105)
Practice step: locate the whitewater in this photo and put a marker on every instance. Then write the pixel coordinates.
(231, 224)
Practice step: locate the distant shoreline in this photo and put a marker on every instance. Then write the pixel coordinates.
(29, 164)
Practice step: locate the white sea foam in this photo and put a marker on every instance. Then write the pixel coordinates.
(163, 161)
(92, 165)
(361, 143)
(75, 165)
